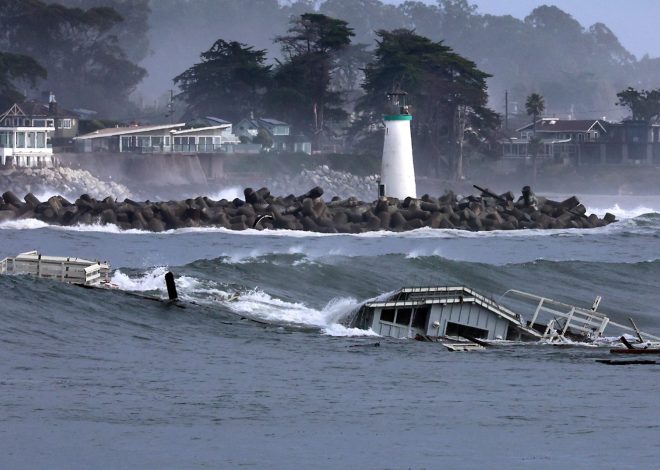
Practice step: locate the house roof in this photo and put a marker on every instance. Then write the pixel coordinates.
(564, 125)
(215, 119)
(272, 122)
(115, 131)
(250, 122)
(36, 109)
(199, 129)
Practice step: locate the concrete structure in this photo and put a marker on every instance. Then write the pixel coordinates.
(398, 171)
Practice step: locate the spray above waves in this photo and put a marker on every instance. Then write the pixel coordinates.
(623, 213)
(253, 304)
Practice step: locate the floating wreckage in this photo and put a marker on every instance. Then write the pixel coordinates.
(83, 273)
(60, 268)
(464, 320)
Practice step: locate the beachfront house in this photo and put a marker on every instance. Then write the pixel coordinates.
(561, 140)
(33, 113)
(278, 132)
(162, 138)
(26, 136)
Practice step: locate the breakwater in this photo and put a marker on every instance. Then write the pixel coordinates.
(309, 212)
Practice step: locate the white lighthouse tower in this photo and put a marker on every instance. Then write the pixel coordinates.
(397, 177)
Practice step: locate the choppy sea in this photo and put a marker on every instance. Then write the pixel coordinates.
(106, 380)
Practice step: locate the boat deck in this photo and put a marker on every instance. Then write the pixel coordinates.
(59, 268)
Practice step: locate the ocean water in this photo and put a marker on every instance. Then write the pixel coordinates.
(105, 379)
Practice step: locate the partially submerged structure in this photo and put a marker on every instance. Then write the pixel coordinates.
(59, 268)
(433, 313)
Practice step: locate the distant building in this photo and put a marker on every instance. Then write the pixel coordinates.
(26, 136)
(560, 139)
(63, 122)
(585, 142)
(627, 143)
(278, 131)
(163, 138)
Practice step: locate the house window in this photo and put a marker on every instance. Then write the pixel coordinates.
(185, 144)
(41, 140)
(387, 314)
(7, 139)
(31, 140)
(50, 123)
(126, 142)
(421, 317)
(39, 122)
(65, 123)
(167, 140)
(206, 143)
(143, 141)
(156, 141)
(26, 122)
(456, 329)
(20, 140)
(403, 316)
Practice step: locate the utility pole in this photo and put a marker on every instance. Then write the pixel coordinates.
(170, 107)
(506, 110)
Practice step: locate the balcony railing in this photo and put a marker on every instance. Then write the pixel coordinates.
(176, 148)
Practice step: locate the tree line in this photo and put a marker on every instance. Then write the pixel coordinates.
(308, 88)
(325, 66)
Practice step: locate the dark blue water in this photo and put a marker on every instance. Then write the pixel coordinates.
(103, 379)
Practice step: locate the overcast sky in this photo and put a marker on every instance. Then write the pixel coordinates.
(635, 22)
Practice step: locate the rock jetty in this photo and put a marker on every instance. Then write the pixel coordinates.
(309, 212)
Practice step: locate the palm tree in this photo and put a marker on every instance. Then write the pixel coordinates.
(534, 105)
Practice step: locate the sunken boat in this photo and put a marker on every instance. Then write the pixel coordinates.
(461, 313)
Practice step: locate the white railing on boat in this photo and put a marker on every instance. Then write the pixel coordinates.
(550, 312)
(59, 268)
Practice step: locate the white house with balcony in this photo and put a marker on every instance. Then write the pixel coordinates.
(26, 146)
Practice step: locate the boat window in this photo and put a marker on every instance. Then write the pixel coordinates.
(403, 316)
(455, 329)
(421, 317)
(387, 314)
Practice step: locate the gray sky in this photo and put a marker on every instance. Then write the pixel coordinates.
(634, 22)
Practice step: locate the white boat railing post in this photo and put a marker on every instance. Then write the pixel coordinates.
(536, 313)
(568, 321)
(602, 327)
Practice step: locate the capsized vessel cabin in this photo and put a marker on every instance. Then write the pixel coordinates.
(460, 312)
(59, 268)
